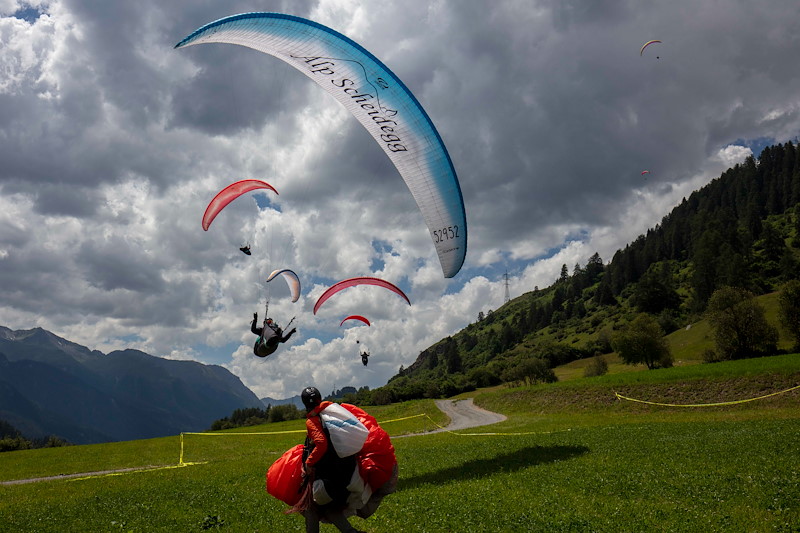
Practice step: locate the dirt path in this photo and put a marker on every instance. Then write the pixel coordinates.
(463, 414)
(71, 476)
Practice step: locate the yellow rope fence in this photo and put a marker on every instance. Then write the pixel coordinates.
(182, 463)
(734, 402)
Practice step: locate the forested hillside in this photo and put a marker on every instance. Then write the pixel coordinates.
(740, 230)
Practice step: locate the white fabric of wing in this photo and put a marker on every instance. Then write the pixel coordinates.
(431, 198)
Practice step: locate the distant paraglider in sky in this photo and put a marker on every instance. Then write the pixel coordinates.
(291, 279)
(645, 172)
(648, 43)
(344, 284)
(355, 317)
(379, 101)
(229, 194)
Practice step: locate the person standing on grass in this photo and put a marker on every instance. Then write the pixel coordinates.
(326, 472)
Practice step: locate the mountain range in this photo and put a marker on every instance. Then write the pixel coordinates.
(740, 230)
(51, 386)
(294, 400)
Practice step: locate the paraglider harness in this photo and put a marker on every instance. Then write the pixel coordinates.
(270, 336)
(364, 355)
(331, 475)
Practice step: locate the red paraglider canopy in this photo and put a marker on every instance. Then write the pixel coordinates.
(344, 284)
(229, 194)
(355, 317)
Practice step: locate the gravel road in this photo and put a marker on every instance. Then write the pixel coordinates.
(465, 414)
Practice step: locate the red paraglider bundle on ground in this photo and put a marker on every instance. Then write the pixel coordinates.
(285, 476)
(376, 458)
(376, 461)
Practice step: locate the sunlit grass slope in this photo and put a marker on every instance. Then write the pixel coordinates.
(686, 344)
(569, 458)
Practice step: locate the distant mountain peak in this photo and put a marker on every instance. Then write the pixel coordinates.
(50, 385)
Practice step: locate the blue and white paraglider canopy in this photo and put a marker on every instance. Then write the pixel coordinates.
(377, 98)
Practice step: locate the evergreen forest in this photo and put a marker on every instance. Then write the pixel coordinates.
(741, 231)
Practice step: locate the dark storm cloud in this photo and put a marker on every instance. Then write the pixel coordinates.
(60, 199)
(569, 13)
(114, 82)
(117, 264)
(350, 167)
(556, 126)
(235, 90)
(12, 236)
(112, 143)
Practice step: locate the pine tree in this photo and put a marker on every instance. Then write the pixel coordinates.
(564, 274)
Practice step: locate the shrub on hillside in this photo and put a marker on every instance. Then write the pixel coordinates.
(668, 321)
(249, 416)
(483, 377)
(280, 413)
(530, 371)
(789, 310)
(710, 356)
(597, 367)
(556, 354)
(602, 343)
(11, 444)
(740, 327)
(642, 341)
(382, 396)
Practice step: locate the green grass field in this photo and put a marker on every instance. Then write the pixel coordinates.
(573, 458)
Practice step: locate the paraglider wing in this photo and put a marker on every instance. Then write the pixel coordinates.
(285, 476)
(229, 194)
(344, 284)
(291, 279)
(355, 317)
(648, 43)
(377, 457)
(377, 98)
(645, 172)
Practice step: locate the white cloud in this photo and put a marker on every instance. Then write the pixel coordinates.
(732, 155)
(113, 143)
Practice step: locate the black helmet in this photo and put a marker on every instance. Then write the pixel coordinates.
(311, 397)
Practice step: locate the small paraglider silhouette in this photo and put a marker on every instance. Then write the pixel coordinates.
(364, 355)
(648, 43)
(245, 249)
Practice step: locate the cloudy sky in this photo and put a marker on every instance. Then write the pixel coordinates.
(112, 143)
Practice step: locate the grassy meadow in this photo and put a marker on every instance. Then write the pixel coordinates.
(571, 457)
